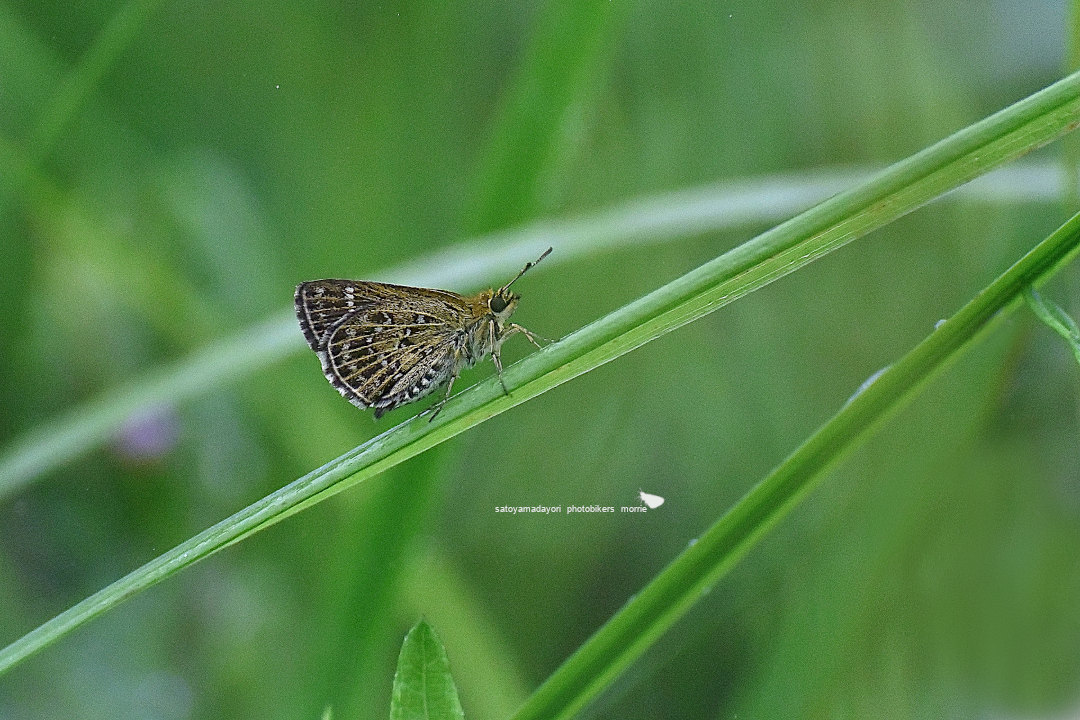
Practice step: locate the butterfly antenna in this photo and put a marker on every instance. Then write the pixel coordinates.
(505, 287)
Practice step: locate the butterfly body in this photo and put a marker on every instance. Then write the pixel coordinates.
(384, 345)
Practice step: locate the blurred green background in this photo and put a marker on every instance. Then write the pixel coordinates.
(168, 173)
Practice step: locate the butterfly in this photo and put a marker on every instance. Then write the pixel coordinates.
(384, 345)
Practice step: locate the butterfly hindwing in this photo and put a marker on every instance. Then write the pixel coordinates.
(392, 352)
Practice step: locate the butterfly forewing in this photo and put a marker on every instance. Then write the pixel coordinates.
(321, 304)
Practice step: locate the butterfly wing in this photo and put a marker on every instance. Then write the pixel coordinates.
(321, 304)
(383, 345)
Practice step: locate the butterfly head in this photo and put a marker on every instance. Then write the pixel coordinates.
(502, 302)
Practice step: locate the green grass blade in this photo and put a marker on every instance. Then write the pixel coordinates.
(564, 56)
(1054, 317)
(652, 220)
(895, 191)
(1071, 150)
(649, 221)
(423, 687)
(678, 587)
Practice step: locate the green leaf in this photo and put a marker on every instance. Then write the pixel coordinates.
(423, 687)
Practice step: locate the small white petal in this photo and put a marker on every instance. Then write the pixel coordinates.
(652, 501)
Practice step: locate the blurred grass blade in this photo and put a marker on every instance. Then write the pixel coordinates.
(462, 266)
(1056, 319)
(85, 77)
(678, 587)
(91, 424)
(648, 221)
(897, 190)
(564, 56)
(21, 166)
(1071, 189)
(423, 687)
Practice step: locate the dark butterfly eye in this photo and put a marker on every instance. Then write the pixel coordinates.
(497, 304)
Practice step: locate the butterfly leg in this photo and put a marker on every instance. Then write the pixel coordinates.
(498, 367)
(513, 328)
(496, 356)
(498, 338)
(437, 407)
